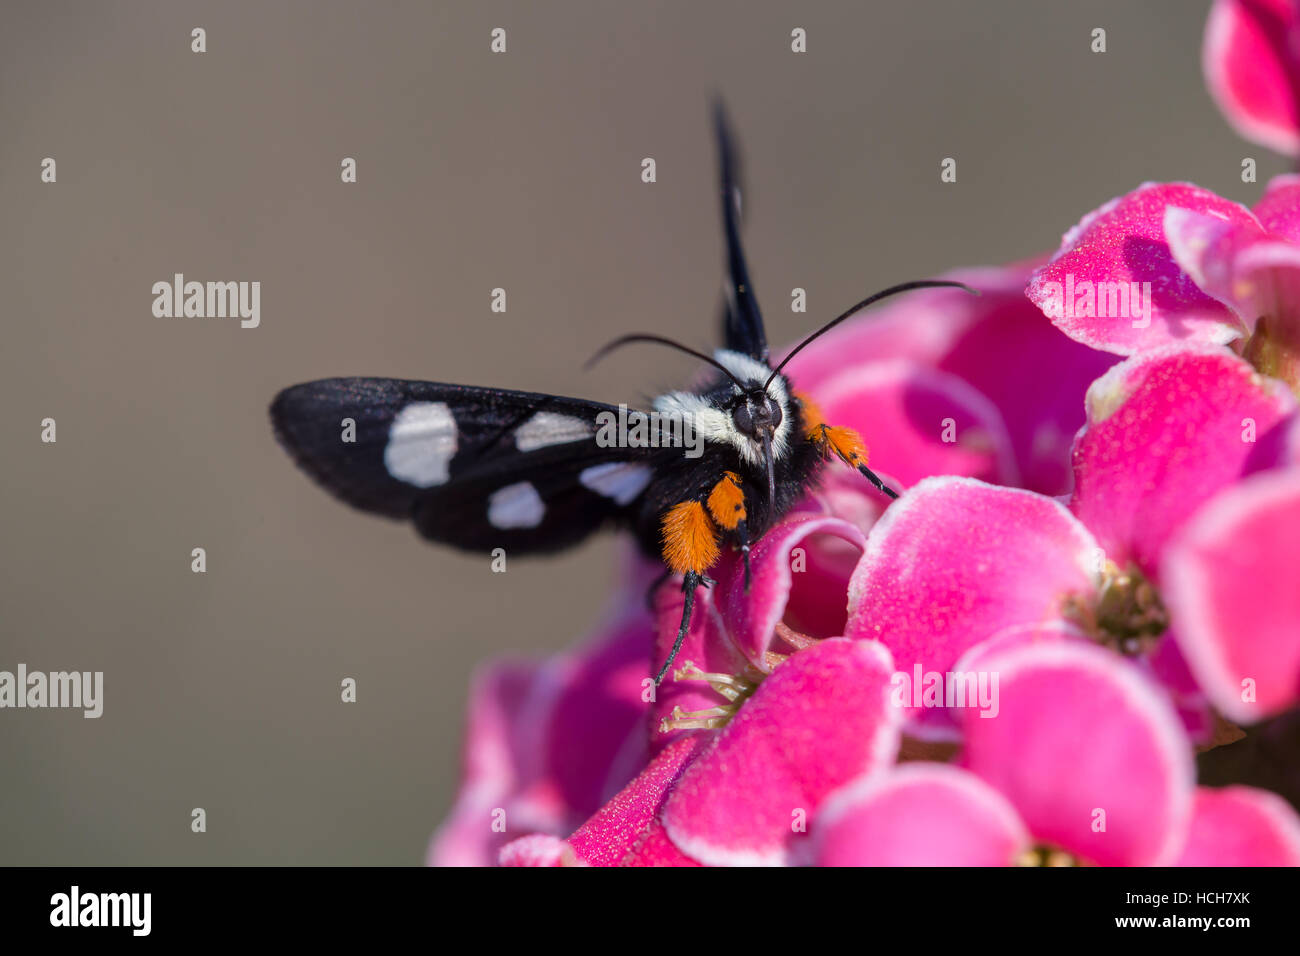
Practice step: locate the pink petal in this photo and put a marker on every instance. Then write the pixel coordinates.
(1250, 62)
(843, 495)
(812, 600)
(1019, 635)
(1033, 373)
(819, 720)
(1167, 665)
(1278, 210)
(1165, 432)
(653, 848)
(538, 849)
(919, 814)
(518, 757)
(1266, 280)
(502, 740)
(609, 836)
(602, 700)
(1124, 242)
(1206, 247)
(707, 646)
(1164, 665)
(954, 561)
(920, 326)
(1255, 274)
(1081, 741)
(996, 342)
(1241, 826)
(1229, 581)
(923, 422)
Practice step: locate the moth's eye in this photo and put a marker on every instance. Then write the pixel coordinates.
(743, 419)
(760, 413)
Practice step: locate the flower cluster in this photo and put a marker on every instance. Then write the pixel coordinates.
(1089, 578)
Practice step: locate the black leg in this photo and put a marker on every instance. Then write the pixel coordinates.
(875, 480)
(689, 583)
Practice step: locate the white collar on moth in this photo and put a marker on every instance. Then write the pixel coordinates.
(716, 424)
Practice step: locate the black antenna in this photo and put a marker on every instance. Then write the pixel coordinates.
(659, 339)
(892, 290)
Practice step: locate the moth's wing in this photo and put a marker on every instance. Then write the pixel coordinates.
(476, 468)
(742, 322)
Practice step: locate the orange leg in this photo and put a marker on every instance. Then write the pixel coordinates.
(846, 443)
(690, 548)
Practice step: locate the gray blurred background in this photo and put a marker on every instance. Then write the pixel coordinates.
(475, 170)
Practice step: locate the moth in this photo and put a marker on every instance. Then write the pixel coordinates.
(487, 468)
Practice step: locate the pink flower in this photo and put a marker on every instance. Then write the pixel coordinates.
(741, 795)
(942, 382)
(522, 773)
(959, 575)
(1253, 267)
(955, 562)
(731, 706)
(1241, 826)
(1084, 763)
(1230, 582)
(1171, 262)
(1166, 432)
(920, 814)
(521, 760)
(771, 711)
(1173, 440)
(627, 831)
(821, 718)
(1251, 59)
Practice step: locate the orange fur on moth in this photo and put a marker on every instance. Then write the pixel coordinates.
(690, 540)
(727, 502)
(812, 416)
(846, 443)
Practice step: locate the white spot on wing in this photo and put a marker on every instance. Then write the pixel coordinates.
(550, 428)
(620, 481)
(421, 444)
(516, 506)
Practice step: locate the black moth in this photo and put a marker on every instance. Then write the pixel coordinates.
(486, 468)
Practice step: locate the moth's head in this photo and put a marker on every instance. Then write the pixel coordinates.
(757, 410)
(745, 410)
(758, 414)
(754, 412)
